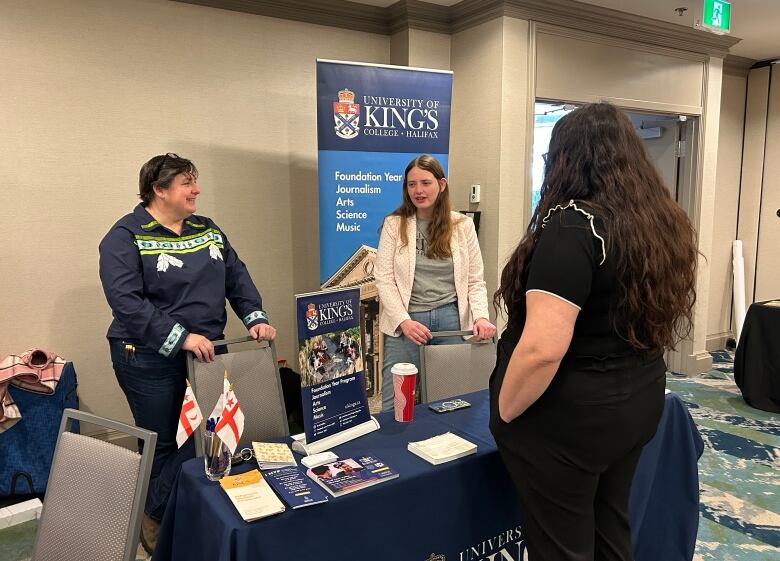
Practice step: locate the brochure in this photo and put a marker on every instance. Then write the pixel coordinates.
(442, 448)
(251, 495)
(345, 476)
(294, 488)
(271, 455)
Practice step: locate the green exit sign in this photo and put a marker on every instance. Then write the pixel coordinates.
(717, 16)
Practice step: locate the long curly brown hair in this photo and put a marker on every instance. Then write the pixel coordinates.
(595, 156)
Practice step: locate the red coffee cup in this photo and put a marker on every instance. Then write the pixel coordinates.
(404, 382)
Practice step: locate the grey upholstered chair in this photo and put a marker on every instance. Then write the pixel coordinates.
(455, 369)
(254, 373)
(95, 495)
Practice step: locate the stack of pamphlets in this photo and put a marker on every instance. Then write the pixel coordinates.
(442, 448)
(272, 455)
(251, 495)
(345, 476)
(294, 488)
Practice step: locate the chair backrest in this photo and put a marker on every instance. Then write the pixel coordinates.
(95, 494)
(254, 373)
(453, 369)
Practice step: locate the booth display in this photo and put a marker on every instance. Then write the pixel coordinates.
(475, 510)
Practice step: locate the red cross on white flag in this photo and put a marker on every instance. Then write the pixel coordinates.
(231, 424)
(189, 418)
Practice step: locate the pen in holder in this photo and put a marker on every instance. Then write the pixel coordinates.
(216, 456)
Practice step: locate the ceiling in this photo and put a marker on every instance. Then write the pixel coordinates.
(754, 21)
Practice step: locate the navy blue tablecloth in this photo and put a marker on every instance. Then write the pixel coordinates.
(465, 510)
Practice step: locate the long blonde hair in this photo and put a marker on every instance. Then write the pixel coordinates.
(441, 226)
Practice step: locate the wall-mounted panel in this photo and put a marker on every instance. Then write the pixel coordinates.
(572, 66)
(767, 262)
(732, 121)
(753, 171)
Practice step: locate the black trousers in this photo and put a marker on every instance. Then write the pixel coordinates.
(573, 453)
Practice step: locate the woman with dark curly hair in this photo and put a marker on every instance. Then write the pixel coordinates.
(599, 287)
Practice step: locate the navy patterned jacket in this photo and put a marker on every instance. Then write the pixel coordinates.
(162, 286)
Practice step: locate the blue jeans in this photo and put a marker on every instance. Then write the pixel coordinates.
(154, 387)
(401, 349)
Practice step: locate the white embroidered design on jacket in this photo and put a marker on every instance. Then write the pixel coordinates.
(215, 253)
(164, 261)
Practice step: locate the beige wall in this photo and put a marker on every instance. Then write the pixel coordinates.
(428, 50)
(90, 90)
(732, 120)
(475, 145)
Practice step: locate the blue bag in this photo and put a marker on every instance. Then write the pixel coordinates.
(27, 448)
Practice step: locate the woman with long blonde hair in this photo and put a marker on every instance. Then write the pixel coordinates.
(428, 272)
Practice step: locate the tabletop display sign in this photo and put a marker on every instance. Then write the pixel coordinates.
(331, 362)
(371, 121)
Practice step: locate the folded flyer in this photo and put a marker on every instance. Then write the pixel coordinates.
(348, 475)
(294, 488)
(251, 495)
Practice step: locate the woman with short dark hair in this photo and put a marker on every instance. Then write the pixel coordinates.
(166, 273)
(599, 287)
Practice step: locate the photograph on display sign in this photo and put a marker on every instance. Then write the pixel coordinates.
(330, 355)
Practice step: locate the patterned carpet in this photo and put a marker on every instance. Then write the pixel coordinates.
(739, 472)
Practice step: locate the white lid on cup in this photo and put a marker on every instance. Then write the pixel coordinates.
(404, 369)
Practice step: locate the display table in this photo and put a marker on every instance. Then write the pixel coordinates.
(465, 510)
(757, 362)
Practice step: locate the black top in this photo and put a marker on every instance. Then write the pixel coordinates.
(569, 262)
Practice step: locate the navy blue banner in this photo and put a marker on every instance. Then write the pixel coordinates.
(371, 121)
(330, 358)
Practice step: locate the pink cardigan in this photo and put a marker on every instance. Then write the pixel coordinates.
(394, 273)
(35, 370)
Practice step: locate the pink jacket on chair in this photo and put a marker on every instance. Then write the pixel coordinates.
(35, 370)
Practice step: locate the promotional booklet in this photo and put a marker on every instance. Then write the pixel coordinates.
(294, 488)
(271, 455)
(251, 495)
(442, 448)
(345, 476)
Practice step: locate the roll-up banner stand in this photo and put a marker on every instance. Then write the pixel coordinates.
(372, 120)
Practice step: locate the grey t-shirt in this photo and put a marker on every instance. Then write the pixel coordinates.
(434, 279)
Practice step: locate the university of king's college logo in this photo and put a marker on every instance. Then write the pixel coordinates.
(312, 319)
(346, 115)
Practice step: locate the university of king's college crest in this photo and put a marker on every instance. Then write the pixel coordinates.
(346, 115)
(312, 320)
